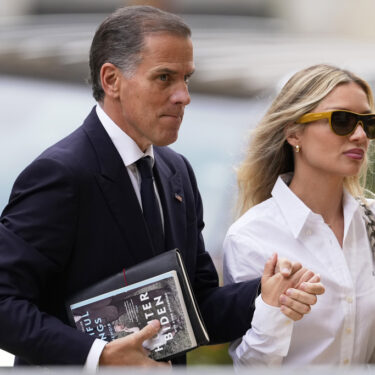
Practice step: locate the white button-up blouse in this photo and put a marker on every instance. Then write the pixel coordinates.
(340, 329)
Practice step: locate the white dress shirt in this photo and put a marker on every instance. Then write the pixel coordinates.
(130, 153)
(340, 329)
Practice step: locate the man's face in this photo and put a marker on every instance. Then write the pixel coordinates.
(153, 99)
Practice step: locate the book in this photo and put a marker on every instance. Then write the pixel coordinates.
(157, 288)
(127, 310)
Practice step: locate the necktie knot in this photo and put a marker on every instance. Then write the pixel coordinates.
(144, 166)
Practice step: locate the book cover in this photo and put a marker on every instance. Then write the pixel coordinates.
(126, 310)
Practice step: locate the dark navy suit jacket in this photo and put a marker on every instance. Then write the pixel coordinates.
(72, 219)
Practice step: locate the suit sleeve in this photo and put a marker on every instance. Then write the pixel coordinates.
(227, 311)
(37, 229)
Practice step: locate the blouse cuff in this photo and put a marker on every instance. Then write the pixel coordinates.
(273, 326)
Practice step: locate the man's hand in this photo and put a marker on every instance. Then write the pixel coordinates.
(286, 267)
(128, 351)
(297, 302)
(294, 288)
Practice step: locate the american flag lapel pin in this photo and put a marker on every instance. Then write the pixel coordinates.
(178, 197)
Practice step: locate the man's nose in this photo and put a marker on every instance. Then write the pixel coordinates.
(181, 95)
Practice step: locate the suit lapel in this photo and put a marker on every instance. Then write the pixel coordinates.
(118, 191)
(173, 201)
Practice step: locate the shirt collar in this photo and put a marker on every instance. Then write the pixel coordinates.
(125, 145)
(351, 205)
(296, 213)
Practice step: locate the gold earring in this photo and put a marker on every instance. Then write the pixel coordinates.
(298, 148)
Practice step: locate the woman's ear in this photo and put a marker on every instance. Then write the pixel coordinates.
(293, 140)
(293, 135)
(110, 77)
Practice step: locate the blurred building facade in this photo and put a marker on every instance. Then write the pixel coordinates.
(345, 17)
(242, 47)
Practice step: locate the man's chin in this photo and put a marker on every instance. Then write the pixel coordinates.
(166, 141)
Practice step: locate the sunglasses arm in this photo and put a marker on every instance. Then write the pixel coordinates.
(310, 117)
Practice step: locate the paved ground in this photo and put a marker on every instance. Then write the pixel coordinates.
(239, 56)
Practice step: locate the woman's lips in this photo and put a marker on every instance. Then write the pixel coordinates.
(355, 153)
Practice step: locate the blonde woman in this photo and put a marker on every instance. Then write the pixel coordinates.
(298, 186)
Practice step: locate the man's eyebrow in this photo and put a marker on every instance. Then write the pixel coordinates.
(170, 71)
(165, 70)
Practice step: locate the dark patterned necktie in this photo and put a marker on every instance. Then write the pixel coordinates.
(150, 205)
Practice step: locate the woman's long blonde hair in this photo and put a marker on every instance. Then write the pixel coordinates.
(268, 154)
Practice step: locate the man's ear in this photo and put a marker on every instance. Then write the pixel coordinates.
(110, 77)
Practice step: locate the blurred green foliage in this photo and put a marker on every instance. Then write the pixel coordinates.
(209, 355)
(370, 177)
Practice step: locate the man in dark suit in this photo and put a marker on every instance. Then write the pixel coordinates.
(77, 213)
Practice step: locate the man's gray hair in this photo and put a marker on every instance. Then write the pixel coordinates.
(120, 39)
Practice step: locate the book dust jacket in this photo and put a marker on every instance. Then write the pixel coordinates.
(127, 310)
